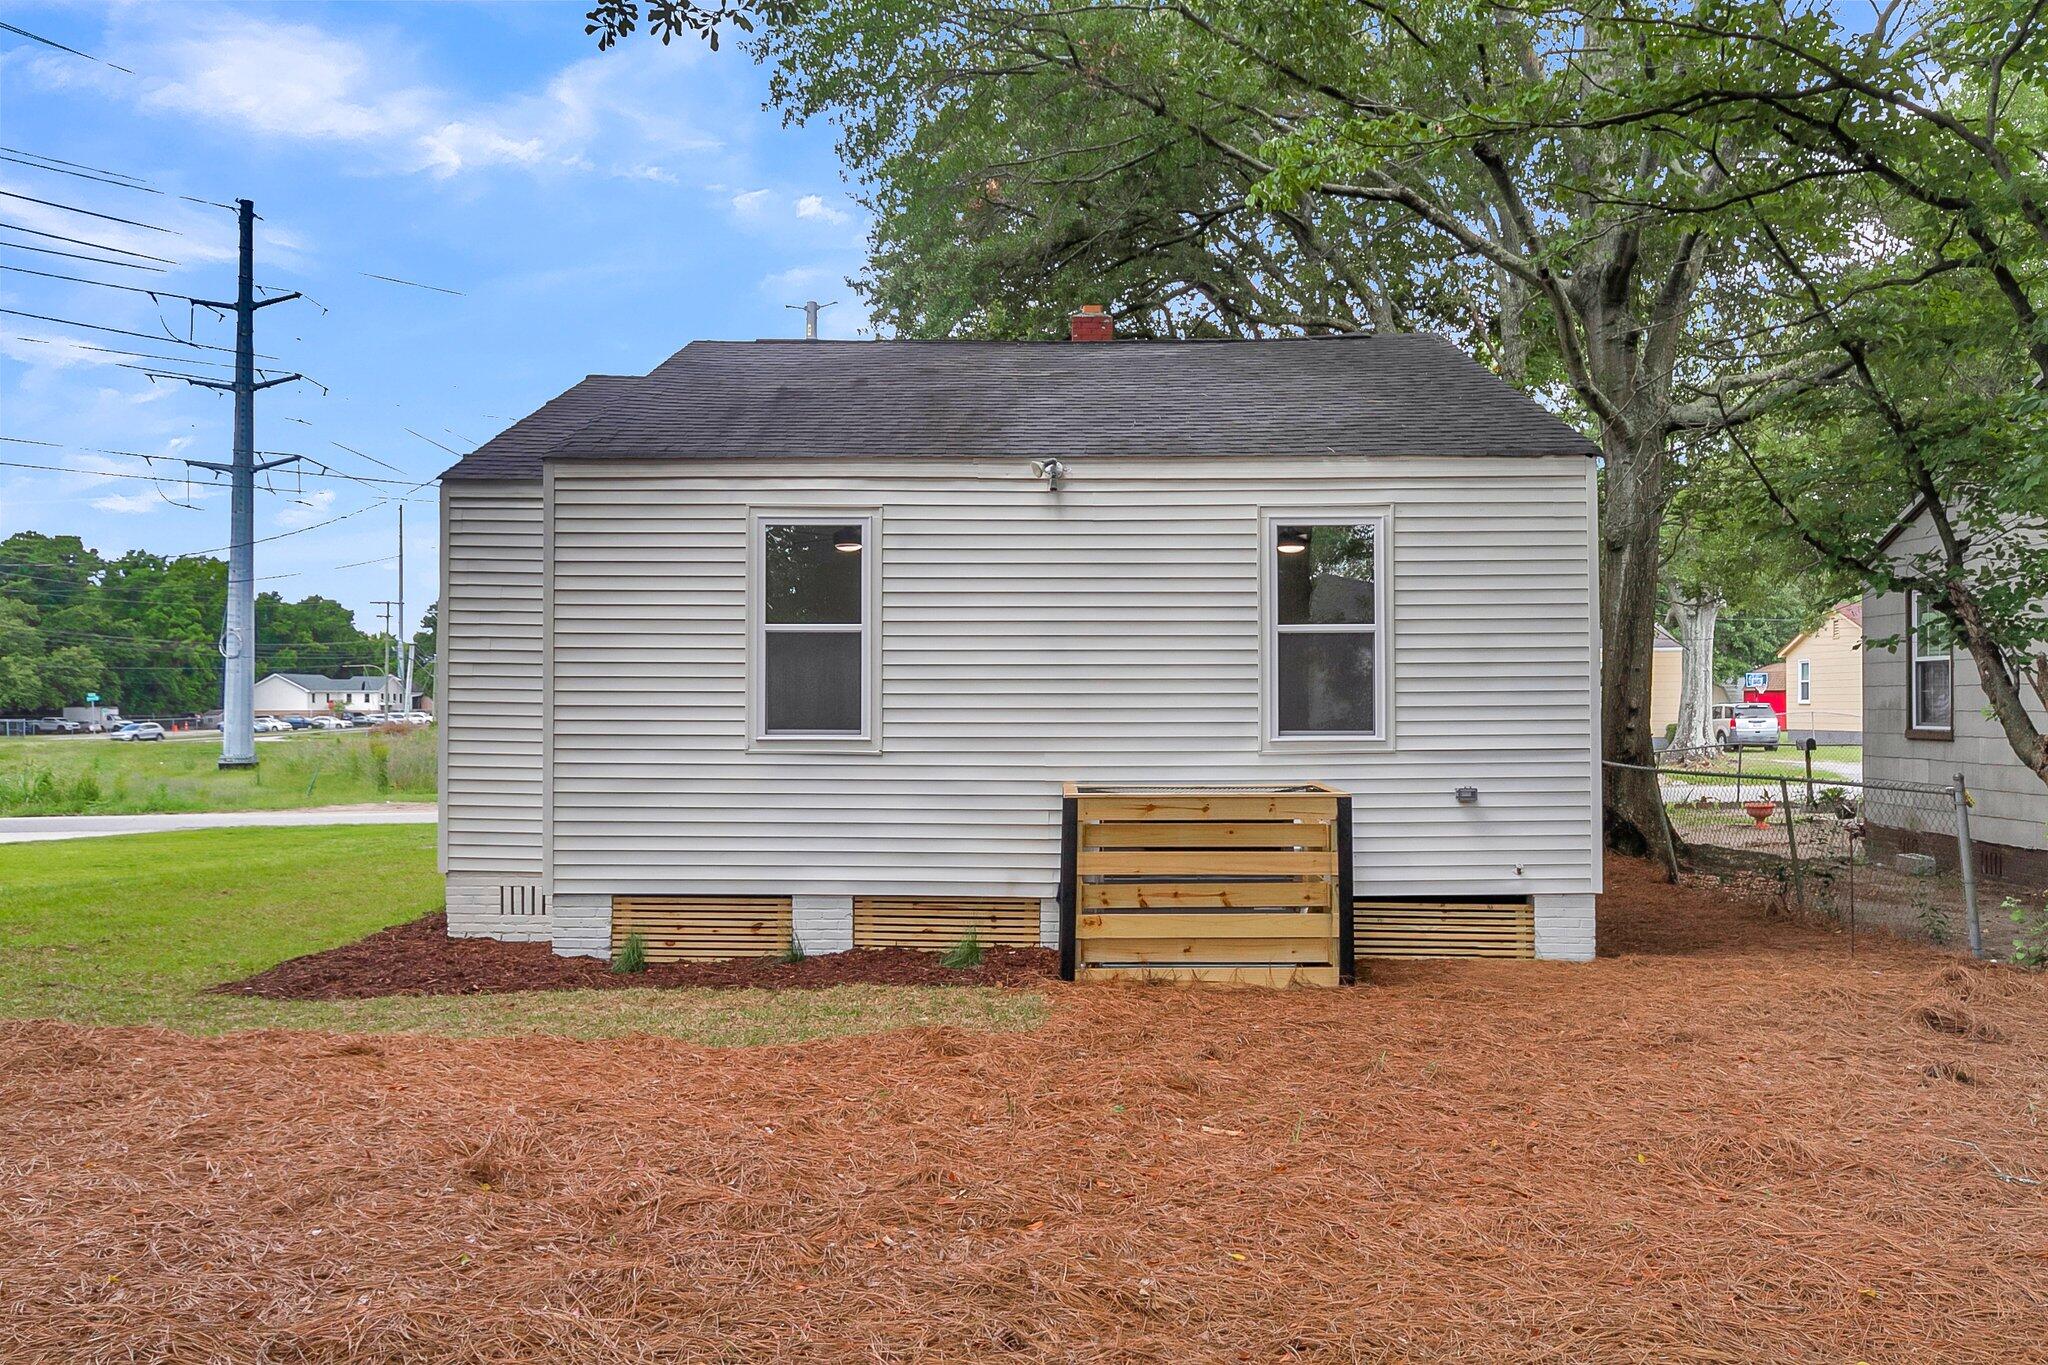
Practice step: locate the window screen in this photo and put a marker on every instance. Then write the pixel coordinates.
(1325, 655)
(813, 628)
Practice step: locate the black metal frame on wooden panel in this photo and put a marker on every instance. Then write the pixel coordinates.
(1070, 849)
(1347, 953)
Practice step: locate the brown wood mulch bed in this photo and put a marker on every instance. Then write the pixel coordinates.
(418, 958)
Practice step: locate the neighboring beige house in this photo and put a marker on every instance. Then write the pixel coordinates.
(1823, 679)
(1666, 676)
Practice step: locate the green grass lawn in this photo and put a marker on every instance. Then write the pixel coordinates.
(131, 930)
(92, 775)
(1786, 762)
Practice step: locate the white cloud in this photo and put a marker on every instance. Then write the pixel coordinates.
(128, 504)
(613, 113)
(814, 206)
(304, 511)
(750, 203)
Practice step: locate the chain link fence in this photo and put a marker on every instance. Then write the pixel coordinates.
(1893, 857)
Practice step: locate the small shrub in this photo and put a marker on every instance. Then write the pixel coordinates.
(2030, 938)
(632, 955)
(1934, 921)
(966, 953)
(795, 951)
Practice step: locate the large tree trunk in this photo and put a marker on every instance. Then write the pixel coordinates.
(1696, 622)
(1631, 516)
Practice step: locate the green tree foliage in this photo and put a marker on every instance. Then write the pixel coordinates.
(1931, 121)
(140, 629)
(426, 646)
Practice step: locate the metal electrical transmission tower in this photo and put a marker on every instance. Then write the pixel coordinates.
(238, 633)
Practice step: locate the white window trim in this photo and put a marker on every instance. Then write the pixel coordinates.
(869, 740)
(1914, 658)
(1270, 521)
(1805, 677)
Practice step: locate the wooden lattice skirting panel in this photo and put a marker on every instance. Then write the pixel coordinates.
(1499, 928)
(938, 923)
(703, 928)
(1234, 887)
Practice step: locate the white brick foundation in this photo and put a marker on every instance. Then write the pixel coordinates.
(492, 907)
(583, 926)
(1049, 924)
(1564, 928)
(822, 924)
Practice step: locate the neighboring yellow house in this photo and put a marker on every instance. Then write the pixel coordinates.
(1824, 679)
(1665, 673)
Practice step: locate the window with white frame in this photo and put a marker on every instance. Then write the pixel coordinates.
(1325, 666)
(1805, 682)
(1932, 679)
(812, 665)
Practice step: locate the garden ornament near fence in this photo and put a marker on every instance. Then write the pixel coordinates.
(1760, 808)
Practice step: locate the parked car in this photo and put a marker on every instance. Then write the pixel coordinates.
(363, 720)
(298, 722)
(1745, 725)
(328, 723)
(57, 725)
(271, 725)
(419, 718)
(139, 730)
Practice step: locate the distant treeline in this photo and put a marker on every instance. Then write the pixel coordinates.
(141, 630)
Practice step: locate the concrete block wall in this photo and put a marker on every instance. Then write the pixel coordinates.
(1564, 927)
(1049, 923)
(583, 926)
(822, 924)
(492, 907)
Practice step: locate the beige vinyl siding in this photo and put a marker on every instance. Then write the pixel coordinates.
(1667, 680)
(2011, 804)
(1109, 633)
(1834, 653)
(488, 701)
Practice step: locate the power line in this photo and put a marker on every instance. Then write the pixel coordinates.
(112, 350)
(367, 456)
(90, 213)
(104, 284)
(80, 241)
(82, 175)
(76, 165)
(52, 42)
(411, 284)
(124, 332)
(432, 442)
(81, 256)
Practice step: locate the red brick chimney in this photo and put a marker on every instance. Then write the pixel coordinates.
(1092, 324)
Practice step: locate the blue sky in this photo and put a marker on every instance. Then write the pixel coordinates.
(594, 211)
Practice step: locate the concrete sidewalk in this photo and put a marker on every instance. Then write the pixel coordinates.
(23, 829)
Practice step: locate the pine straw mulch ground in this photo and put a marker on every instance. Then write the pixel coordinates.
(418, 958)
(1726, 1142)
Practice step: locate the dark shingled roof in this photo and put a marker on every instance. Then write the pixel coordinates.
(515, 452)
(1405, 394)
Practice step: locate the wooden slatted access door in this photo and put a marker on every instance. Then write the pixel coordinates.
(1226, 885)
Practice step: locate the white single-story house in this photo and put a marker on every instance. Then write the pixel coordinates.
(1926, 719)
(827, 640)
(283, 694)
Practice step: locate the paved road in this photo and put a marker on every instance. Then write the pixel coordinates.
(23, 829)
